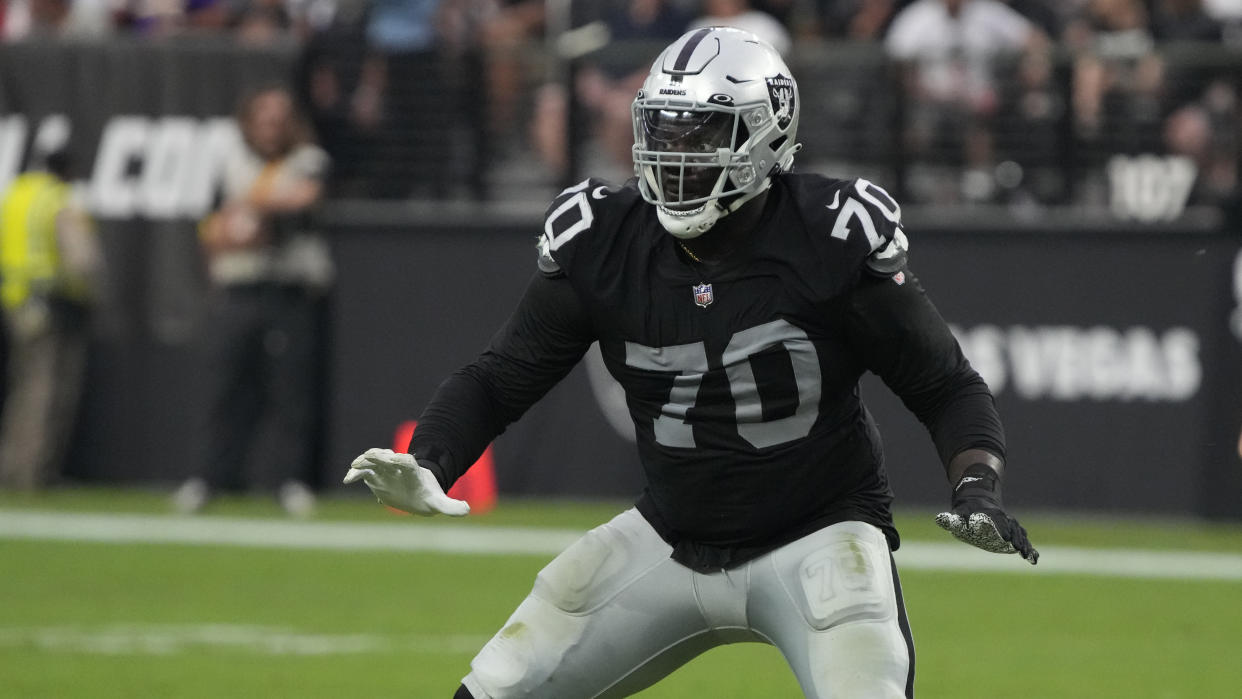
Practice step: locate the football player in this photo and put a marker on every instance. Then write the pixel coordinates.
(737, 303)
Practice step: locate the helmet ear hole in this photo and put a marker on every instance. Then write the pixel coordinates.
(743, 176)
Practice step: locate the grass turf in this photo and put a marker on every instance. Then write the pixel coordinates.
(94, 620)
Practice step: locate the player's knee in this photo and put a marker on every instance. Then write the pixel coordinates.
(869, 687)
(868, 659)
(520, 658)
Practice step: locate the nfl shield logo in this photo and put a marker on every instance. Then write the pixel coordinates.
(703, 295)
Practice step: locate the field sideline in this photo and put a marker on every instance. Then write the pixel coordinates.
(512, 540)
(105, 595)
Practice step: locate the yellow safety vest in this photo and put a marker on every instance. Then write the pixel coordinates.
(29, 255)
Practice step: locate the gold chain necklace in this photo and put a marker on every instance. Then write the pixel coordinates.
(703, 296)
(687, 251)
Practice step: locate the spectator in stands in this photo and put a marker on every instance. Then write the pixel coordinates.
(268, 273)
(22, 19)
(310, 17)
(32, 18)
(1229, 14)
(507, 26)
(402, 105)
(1191, 81)
(1118, 78)
(323, 83)
(262, 21)
(607, 81)
(153, 17)
(740, 15)
(1112, 39)
(858, 20)
(1205, 131)
(1029, 133)
(327, 81)
(1185, 20)
(783, 11)
(951, 48)
(208, 16)
(250, 21)
(49, 267)
(1048, 16)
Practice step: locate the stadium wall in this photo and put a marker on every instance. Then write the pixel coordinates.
(1112, 360)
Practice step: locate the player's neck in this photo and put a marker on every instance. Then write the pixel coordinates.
(729, 233)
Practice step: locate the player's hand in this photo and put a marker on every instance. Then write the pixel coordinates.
(978, 518)
(398, 481)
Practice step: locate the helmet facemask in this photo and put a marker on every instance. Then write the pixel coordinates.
(693, 162)
(687, 152)
(714, 120)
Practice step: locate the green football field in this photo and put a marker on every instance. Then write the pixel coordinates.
(102, 594)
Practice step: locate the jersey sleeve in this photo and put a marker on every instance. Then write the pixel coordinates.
(580, 222)
(879, 216)
(542, 341)
(857, 222)
(902, 338)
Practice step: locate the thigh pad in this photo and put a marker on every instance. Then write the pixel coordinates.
(839, 575)
(600, 565)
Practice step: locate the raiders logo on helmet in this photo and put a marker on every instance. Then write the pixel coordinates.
(781, 92)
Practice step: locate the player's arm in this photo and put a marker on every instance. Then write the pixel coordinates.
(296, 197)
(904, 341)
(308, 167)
(541, 342)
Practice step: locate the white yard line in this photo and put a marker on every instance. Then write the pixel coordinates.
(448, 538)
(174, 639)
(285, 534)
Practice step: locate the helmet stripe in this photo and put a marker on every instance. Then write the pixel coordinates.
(683, 58)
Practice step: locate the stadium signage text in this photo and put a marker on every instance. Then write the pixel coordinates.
(159, 168)
(163, 168)
(1150, 188)
(1098, 363)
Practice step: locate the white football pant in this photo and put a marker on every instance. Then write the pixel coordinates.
(613, 614)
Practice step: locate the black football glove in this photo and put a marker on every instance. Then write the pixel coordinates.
(979, 518)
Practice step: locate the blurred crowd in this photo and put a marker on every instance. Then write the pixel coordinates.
(1123, 25)
(1017, 98)
(247, 20)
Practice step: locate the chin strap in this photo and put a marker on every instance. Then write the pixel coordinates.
(689, 226)
(743, 198)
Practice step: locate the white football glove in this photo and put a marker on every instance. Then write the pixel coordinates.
(398, 481)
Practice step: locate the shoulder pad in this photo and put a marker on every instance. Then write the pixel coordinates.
(867, 219)
(891, 258)
(590, 204)
(548, 265)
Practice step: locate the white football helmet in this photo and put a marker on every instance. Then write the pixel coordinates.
(716, 117)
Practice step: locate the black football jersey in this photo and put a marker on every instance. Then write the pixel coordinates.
(741, 375)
